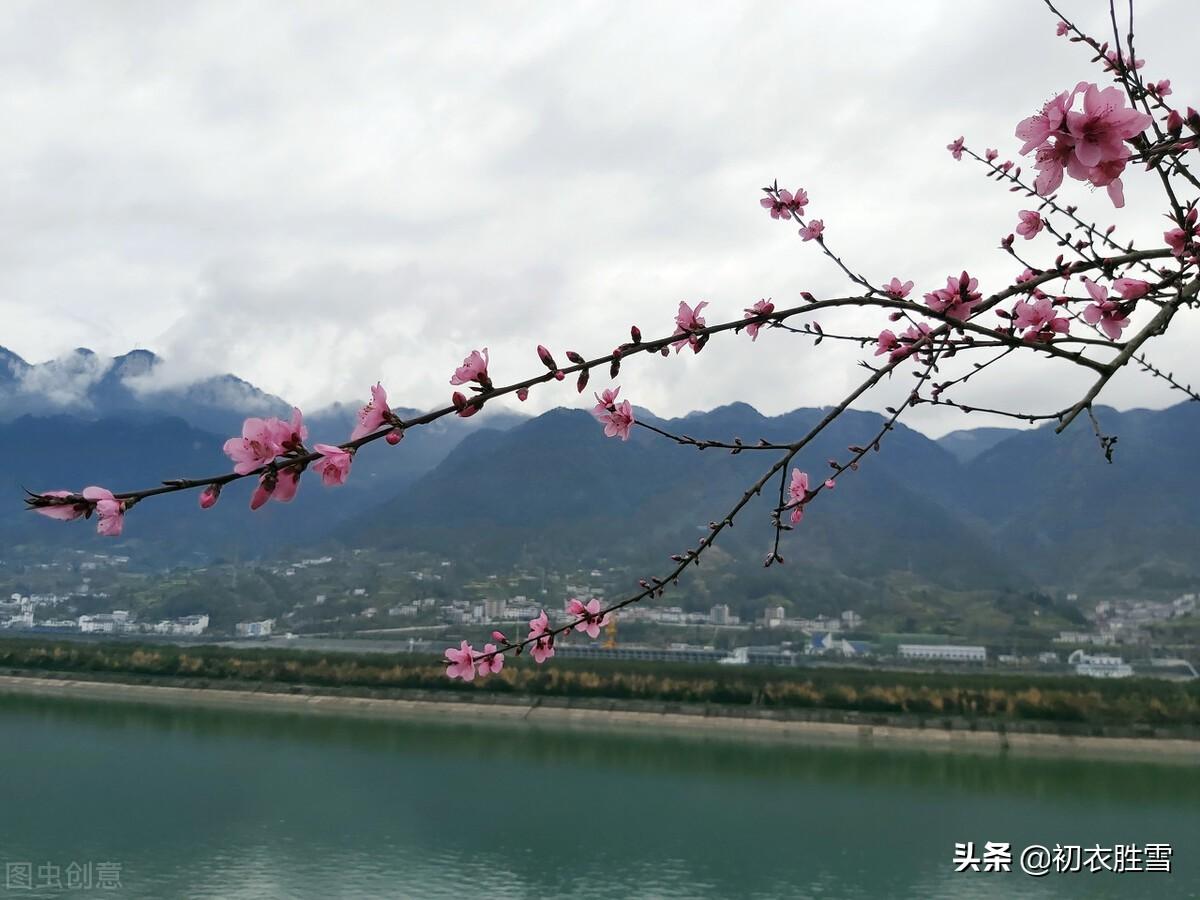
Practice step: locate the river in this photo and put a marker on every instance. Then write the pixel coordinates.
(154, 802)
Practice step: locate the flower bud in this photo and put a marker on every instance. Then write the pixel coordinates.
(208, 497)
(546, 358)
(394, 437)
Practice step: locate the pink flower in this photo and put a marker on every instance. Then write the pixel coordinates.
(1131, 288)
(687, 320)
(1062, 28)
(462, 662)
(1178, 239)
(474, 368)
(286, 485)
(589, 614)
(1052, 157)
(797, 494)
(887, 342)
(1106, 313)
(813, 230)
(786, 204)
(956, 147)
(607, 398)
(898, 290)
(1116, 60)
(209, 496)
(372, 416)
(109, 510)
(1039, 320)
(1031, 223)
(543, 646)
(64, 512)
(1101, 129)
(1162, 88)
(257, 446)
(334, 464)
(492, 664)
(913, 334)
(1037, 129)
(616, 418)
(281, 486)
(290, 436)
(991, 154)
(761, 308)
(957, 299)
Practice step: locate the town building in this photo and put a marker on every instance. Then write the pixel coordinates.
(943, 652)
(1099, 666)
(255, 629)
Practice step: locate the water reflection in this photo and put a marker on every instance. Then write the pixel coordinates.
(232, 804)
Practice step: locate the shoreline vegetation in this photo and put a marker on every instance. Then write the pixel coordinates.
(969, 711)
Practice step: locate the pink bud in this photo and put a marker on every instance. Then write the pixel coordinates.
(394, 437)
(260, 496)
(560, 375)
(636, 334)
(829, 483)
(458, 401)
(208, 497)
(499, 636)
(546, 358)
(522, 394)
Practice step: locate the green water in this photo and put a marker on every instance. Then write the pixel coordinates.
(216, 804)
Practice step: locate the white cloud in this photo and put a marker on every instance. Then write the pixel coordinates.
(317, 197)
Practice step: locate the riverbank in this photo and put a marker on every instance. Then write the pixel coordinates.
(703, 722)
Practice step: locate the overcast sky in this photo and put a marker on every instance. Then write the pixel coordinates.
(316, 196)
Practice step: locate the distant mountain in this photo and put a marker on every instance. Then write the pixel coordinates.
(116, 428)
(968, 443)
(990, 507)
(1033, 509)
(555, 489)
(1056, 507)
(63, 452)
(87, 386)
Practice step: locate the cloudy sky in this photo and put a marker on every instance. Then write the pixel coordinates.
(317, 196)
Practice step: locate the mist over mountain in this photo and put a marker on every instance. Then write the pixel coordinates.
(83, 419)
(87, 386)
(982, 507)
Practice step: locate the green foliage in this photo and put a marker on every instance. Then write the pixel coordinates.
(1125, 702)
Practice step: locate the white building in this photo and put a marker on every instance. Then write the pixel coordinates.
(1099, 666)
(943, 652)
(773, 616)
(98, 624)
(255, 629)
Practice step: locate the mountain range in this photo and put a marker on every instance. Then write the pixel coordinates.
(980, 508)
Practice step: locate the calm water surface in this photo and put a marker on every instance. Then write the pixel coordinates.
(212, 804)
